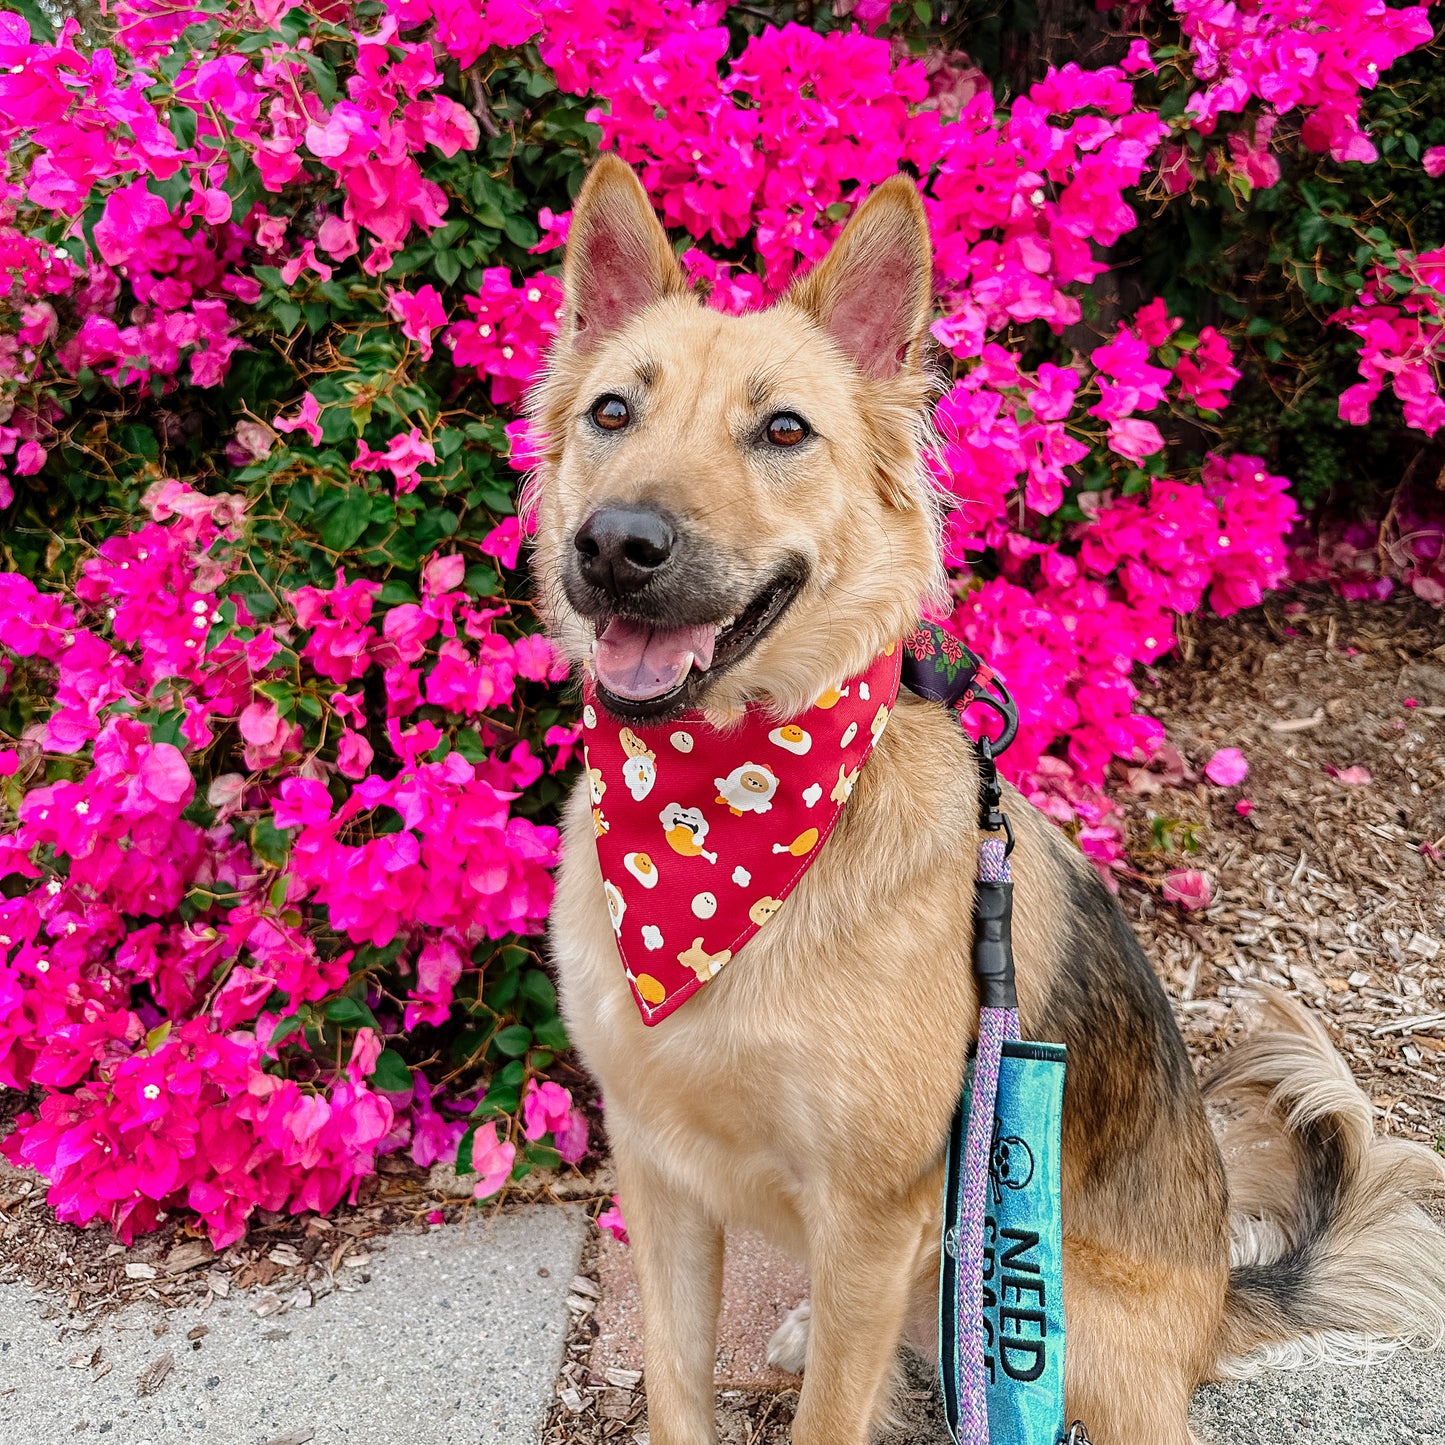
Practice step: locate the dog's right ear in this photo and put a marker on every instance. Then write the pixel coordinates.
(618, 260)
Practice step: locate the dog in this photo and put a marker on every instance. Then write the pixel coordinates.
(749, 492)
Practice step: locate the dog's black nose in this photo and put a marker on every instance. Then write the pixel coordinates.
(620, 548)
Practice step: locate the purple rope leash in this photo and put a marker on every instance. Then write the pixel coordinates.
(995, 1025)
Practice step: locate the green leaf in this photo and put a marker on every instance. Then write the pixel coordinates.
(349, 1013)
(464, 1151)
(278, 890)
(183, 126)
(514, 1040)
(499, 1099)
(552, 1034)
(323, 75)
(391, 1075)
(537, 988)
(288, 1026)
(270, 843)
(294, 24)
(470, 745)
(543, 1156)
(448, 266)
(173, 191)
(480, 580)
(521, 232)
(347, 521)
(168, 729)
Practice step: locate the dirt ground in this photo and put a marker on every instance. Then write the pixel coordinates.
(1332, 887)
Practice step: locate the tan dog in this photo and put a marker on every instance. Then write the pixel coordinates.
(733, 509)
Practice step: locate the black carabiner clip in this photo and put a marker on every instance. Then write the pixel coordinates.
(996, 696)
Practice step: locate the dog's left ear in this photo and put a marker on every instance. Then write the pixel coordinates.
(873, 292)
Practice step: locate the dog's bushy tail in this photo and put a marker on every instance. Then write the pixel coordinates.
(1334, 1260)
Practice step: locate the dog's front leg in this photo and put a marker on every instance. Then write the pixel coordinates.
(862, 1262)
(677, 1251)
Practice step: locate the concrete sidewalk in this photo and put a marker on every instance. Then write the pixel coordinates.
(455, 1339)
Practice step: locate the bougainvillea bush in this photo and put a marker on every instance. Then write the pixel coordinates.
(280, 743)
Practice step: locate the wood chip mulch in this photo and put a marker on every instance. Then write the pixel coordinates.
(1330, 889)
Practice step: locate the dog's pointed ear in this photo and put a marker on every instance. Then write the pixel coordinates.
(618, 260)
(873, 292)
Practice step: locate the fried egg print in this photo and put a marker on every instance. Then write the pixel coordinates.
(792, 739)
(642, 868)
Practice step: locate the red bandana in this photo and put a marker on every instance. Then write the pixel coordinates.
(702, 834)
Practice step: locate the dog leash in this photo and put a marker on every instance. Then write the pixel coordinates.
(1001, 1332)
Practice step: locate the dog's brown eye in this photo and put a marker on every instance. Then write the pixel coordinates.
(611, 413)
(787, 430)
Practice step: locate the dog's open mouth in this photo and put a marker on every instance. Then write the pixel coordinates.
(645, 670)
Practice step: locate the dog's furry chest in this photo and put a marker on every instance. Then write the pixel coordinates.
(858, 984)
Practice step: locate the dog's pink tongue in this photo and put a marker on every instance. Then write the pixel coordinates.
(638, 661)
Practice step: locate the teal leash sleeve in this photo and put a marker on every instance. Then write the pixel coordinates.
(1001, 1306)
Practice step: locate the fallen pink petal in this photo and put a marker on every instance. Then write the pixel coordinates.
(1356, 776)
(1227, 768)
(1189, 888)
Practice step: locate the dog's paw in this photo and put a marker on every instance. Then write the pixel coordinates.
(788, 1347)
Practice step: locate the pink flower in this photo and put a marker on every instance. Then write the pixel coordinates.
(259, 723)
(504, 542)
(545, 1108)
(337, 238)
(404, 454)
(443, 574)
(1244, 807)
(1434, 162)
(29, 459)
(420, 313)
(353, 754)
(307, 419)
(492, 1159)
(1135, 439)
(1138, 59)
(612, 1221)
(1227, 768)
(1189, 888)
(130, 213)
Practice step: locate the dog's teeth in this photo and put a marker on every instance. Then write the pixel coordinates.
(726, 623)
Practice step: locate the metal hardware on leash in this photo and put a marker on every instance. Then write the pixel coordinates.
(1077, 1434)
